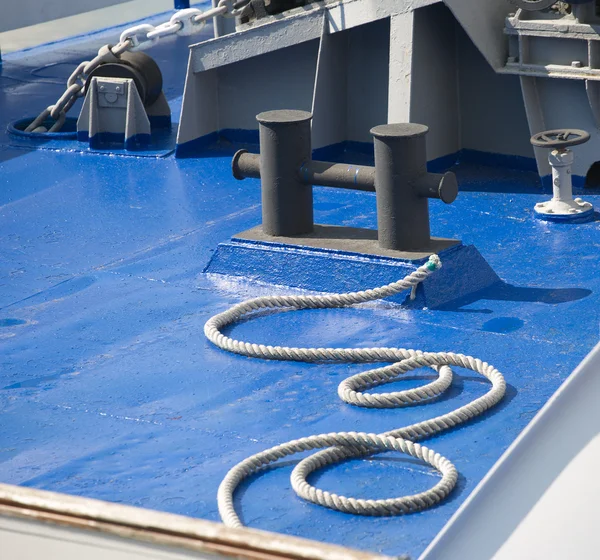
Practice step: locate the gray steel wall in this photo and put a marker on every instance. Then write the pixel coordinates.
(491, 106)
(456, 92)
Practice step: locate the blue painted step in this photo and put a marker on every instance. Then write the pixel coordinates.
(464, 270)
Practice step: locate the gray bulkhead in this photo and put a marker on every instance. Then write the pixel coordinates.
(359, 63)
(557, 58)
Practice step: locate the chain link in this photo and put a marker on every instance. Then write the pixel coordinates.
(138, 36)
(184, 23)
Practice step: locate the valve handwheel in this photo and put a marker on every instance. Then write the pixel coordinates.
(560, 139)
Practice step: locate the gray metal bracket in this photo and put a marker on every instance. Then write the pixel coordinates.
(113, 112)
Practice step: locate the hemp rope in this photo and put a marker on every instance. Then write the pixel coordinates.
(341, 446)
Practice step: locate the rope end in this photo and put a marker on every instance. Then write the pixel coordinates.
(434, 263)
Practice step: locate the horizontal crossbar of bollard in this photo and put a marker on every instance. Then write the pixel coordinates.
(399, 178)
(316, 173)
(345, 176)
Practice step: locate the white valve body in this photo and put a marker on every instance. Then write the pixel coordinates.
(562, 203)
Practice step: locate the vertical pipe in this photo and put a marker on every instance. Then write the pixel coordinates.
(400, 159)
(562, 186)
(285, 144)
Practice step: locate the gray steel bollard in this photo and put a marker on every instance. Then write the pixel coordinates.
(399, 178)
(403, 186)
(285, 144)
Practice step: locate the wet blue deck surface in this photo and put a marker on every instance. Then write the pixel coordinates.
(109, 390)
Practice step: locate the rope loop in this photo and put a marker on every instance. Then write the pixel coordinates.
(341, 446)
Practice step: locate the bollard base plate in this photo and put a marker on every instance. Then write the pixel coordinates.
(275, 261)
(348, 239)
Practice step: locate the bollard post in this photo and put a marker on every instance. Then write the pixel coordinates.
(403, 186)
(285, 145)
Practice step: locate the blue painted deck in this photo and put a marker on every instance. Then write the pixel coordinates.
(109, 390)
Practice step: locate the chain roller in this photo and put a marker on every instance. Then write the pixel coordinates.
(184, 23)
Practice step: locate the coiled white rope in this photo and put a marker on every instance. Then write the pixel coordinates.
(344, 445)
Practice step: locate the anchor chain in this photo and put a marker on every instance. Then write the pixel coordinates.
(139, 37)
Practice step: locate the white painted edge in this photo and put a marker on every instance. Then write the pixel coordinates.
(456, 523)
(163, 528)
